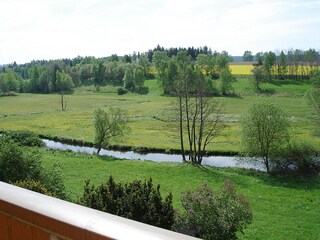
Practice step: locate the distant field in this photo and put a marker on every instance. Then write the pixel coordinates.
(147, 113)
(241, 68)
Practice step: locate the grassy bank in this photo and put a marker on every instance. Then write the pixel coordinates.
(283, 207)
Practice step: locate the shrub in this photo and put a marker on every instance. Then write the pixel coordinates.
(24, 164)
(143, 90)
(299, 157)
(25, 138)
(213, 214)
(138, 201)
(53, 181)
(15, 164)
(122, 91)
(33, 185)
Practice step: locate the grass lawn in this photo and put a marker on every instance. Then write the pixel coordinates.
(283, 207)
(147, 113)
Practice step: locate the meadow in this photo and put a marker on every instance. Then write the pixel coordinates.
(147, 114)
(284, 207)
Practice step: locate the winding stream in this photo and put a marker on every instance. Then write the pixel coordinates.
(216, 161)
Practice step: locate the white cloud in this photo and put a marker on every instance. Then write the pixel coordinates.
(48, 29)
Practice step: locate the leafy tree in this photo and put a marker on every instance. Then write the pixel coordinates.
(282, 69)
(144, 63)
(99, 73)
(226, 80)
(259, 58)
(166, 70)
(86, 74)
(64, 82)
(140, 201)
(258, 77)
(247, 56)
(44, 82)
(269, 61)
(139, 78)
(200, 116)
(213, 214)
(9, 82)
(108, 125)
(265, 132)
(128, 80)
(222, 60)
(207, 64)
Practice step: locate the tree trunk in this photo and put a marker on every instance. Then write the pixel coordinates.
(181, 128)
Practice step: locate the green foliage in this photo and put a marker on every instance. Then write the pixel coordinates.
(298, 157)
(139, 78)
(53, 181)
(247, 56)
(138, 201)
(214, 214)
(33, 185)
(259, 76)
(226, 80)
(24, 164)
(25, 138)
(265, 132)
(9, 82)
(64, 82)
(128, 80)
(108, 125)
(122, 91)
(269, 60)
(15, 164)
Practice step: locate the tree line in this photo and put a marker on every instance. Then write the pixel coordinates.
(290, 64)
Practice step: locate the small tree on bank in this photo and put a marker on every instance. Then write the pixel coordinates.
(265, 132)
(108, 125)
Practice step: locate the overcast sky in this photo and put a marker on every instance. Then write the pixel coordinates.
(51, 29)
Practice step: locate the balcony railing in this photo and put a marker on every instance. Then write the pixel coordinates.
(27, 215)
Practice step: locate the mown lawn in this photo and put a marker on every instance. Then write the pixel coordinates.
(283, 207)
(148, 113)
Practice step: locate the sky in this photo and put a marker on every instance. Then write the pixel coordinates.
(55, 29)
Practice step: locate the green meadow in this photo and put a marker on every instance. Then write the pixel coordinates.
(148, 114)
(283, 207)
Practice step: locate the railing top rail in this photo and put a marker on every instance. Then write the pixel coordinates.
(52, 214)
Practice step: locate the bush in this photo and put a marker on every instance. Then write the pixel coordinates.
(24, 164)
(143, 90)
(33, 185)
(213, 214)
(122, 91)
(15, 164)
(25, 138)
(299, 157)
(138, 201)
(52, 180)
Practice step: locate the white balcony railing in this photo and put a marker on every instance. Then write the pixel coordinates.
(27, 215)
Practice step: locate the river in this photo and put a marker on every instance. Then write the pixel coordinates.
(216, 161)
